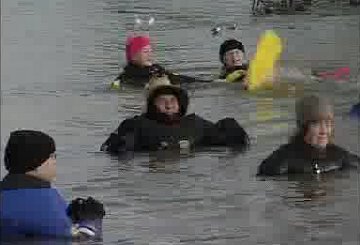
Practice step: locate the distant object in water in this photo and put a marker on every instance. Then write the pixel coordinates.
(216, 30)
(219, 28)
(232, 27)
(337, 74)
(270, 6)
(141, 23)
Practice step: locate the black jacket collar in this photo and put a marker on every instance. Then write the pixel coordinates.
(134, 70)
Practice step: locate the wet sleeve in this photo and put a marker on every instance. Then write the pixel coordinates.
(120, 77)
(207, 131)
(111, 143)
(274, 164)
(176, 79)
(230, 133)
(122, 138)
(226, 132)
(352, 160)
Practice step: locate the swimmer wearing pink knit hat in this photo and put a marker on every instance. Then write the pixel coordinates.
(140, 65)
(139, 51)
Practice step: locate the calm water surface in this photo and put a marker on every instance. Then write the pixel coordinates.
(57, 57)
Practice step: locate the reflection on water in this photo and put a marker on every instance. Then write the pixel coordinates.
(57, 60)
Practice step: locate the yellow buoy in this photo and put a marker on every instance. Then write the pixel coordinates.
(262, 66)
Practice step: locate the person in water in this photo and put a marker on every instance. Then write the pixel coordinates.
(232, 56)
(166, 125)
(30, 207)
(140, 64)
(355, 110)
(312, 149)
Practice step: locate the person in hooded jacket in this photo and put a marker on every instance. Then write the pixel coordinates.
(165, 125)
(30, 207)
(232, 56)
(141, 67)
(312, 149)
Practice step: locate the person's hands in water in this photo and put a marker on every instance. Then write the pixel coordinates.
(86, 215)
(239, 76)
(86, 209)
(157, 70)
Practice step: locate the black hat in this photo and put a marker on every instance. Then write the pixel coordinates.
(230, 45)
(26, 150)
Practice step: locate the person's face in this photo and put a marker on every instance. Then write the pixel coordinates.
(319, 132)
(47, 171)
(167, 104)
(233, 58)
(144, 57)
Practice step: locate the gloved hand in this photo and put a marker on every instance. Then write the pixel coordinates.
(236, 76)
(157, 70)
(86, 215)
(232, 133)
(85, 209)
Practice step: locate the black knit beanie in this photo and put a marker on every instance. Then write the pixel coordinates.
(230, 45)
(26, 150)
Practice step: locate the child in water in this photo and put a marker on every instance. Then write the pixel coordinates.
(30, 206)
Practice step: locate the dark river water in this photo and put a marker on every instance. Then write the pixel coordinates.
(58, 56)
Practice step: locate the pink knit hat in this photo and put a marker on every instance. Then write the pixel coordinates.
(134, 44)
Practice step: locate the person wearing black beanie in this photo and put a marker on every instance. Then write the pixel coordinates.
(229, 45)
(232, 56)
(31, 152)
(31, 162)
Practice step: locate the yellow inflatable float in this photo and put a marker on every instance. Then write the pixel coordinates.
(262, 67)
(262, 73)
